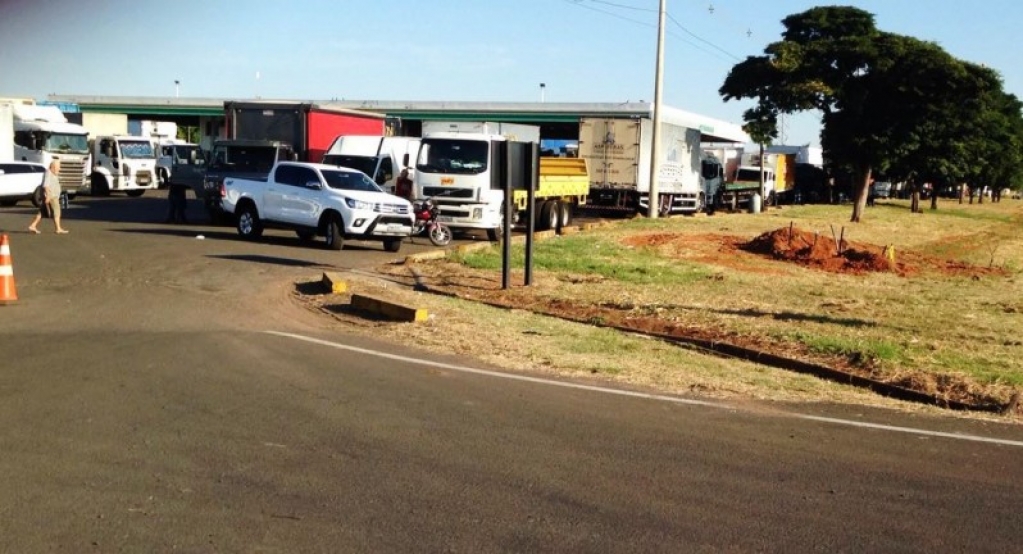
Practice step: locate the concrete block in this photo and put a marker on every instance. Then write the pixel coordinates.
(334, 283)
(388, 309)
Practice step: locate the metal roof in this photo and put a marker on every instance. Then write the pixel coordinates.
(712, 130)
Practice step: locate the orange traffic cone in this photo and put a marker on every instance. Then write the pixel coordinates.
(8, 294)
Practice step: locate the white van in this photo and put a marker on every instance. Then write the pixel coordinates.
(382, 158)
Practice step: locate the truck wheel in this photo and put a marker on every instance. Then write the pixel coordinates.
(549, 214)
(565, 214)
(98, 185)
(335, 231)
(135, 193)
(249, 225)
(392, 245)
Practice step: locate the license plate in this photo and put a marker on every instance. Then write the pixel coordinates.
(143, 180)
(444, 218)
(394, 229)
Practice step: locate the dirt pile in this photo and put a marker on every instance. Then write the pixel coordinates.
(822, 252)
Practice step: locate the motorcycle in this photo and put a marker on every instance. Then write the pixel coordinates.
(427, 214)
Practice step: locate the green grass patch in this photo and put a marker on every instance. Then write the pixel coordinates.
(593, 255)
(864, 349)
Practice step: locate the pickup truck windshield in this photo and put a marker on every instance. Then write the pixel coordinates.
(466, 157)
(364, 164)
(137, 149)
(244, 158)
(349, 180)
(64, 143)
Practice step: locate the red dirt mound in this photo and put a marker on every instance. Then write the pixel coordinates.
(820, 251)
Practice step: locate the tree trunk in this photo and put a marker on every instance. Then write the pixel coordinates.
(914, 203)
(934, 200)
(862, 183)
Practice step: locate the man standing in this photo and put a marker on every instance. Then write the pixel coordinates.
(51, 200)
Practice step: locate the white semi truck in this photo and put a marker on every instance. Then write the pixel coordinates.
(43, 134)
(458, 166)
(122, 163)
(618, 152)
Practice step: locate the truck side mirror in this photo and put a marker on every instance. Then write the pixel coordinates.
(405, 159)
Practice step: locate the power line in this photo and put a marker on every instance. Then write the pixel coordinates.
(584, 5)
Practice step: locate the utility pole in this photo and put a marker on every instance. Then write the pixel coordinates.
(177, 83)
(655, 151)
(543, 88)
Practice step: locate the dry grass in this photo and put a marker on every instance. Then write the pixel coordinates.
(936, 331)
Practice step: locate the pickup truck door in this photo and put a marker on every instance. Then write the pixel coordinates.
(277, 186)
(300, 203)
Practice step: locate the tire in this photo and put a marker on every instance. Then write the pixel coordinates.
(249, 226)
(566, 213)
(549, 214)
(335, 232)
(135, 193)
(392, 245)
(440, 234)
(306, 236)
(497, 235)
(98, 185)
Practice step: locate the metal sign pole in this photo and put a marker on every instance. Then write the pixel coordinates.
(533, 167)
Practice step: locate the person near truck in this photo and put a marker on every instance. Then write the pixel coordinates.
(50, 204)
(403, 185)
(176, 202)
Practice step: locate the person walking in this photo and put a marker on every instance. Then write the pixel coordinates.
(51, 200)
(176, 201)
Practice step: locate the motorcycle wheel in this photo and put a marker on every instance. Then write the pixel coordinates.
(440, 234)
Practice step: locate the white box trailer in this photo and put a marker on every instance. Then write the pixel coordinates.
(6, 132)
(618, 154)
(510, 131)
(104, 124)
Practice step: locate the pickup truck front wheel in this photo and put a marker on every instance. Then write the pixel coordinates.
(249, 225)
(335, 232)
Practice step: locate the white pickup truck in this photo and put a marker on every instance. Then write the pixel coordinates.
(318, 200)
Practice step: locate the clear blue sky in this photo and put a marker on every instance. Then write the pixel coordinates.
(457, 50)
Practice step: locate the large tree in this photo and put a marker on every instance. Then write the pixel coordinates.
(888, 102)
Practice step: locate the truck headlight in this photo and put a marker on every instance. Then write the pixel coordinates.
(358, 204)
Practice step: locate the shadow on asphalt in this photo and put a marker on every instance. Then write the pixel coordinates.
(275, 260)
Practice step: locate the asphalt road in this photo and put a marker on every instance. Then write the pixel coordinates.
(159, 392)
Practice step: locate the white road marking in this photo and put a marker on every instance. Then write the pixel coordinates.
(648, 396)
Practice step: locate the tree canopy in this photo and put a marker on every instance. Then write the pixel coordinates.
(889, 102)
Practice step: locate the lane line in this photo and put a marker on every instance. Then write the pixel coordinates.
(648, 396)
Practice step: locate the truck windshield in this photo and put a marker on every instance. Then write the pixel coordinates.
(189, 155)
(244, 158)
(453, 156)
(364, 164)
(61, 142)
(137, 149)
(349, 180)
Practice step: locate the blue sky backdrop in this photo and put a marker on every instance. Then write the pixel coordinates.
(456, 50)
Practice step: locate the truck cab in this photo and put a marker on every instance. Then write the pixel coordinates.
(122, 163)
(42, 134)
(457, 170)
(180, 163)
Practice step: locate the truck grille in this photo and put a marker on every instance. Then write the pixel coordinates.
(448, 192)
(399, 209)
(72, 173)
